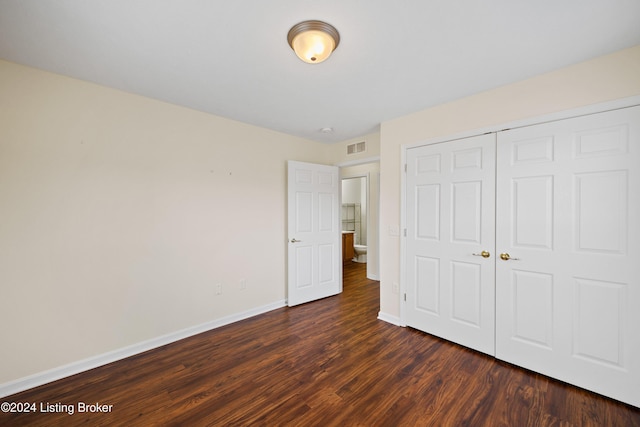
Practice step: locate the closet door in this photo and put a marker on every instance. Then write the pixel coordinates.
(450, 225)
(568, 226)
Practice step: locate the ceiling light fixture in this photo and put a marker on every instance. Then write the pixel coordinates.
(313, 41)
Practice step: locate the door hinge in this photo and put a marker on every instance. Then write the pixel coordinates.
(405, 232)
(405, 297)
(405, 168)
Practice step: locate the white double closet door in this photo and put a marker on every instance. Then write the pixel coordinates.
(555, 210)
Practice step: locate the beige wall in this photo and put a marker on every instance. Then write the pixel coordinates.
(603, 79)
(338, 152)
(119, 214)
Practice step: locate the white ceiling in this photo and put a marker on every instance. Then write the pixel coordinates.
(231, 58)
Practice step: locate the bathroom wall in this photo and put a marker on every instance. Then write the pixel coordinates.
(354, 190)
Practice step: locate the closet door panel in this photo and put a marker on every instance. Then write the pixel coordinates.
(532, 199)
(568, 216)
(532, 308)
(450, 217)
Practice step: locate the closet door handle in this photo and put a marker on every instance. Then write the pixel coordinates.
(295, 240)
(506, 257)
(483, 254)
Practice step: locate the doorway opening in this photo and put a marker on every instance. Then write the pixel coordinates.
(359, 216)
(354, 216)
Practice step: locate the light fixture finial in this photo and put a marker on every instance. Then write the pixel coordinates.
(313, 41)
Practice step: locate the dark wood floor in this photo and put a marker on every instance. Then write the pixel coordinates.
(326, 363)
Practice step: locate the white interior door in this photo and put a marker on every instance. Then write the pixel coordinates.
(450, 224)
(314, 245)
(568, 215)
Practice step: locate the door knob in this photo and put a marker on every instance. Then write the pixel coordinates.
(483, 254)
(295, 241)
(506, 257)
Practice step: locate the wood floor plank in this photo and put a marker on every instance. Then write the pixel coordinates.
(326, 363)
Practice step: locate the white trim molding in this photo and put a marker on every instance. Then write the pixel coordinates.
(394, 320)
(362, 161)
(73, 368)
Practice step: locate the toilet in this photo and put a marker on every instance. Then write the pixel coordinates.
(360, 252)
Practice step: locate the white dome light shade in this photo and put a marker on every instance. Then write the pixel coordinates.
(313, 46)
(313, 41)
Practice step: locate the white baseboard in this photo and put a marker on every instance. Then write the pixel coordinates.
(394, 320)
(73, 368)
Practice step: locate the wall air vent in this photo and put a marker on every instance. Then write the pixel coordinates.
(358, 147)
